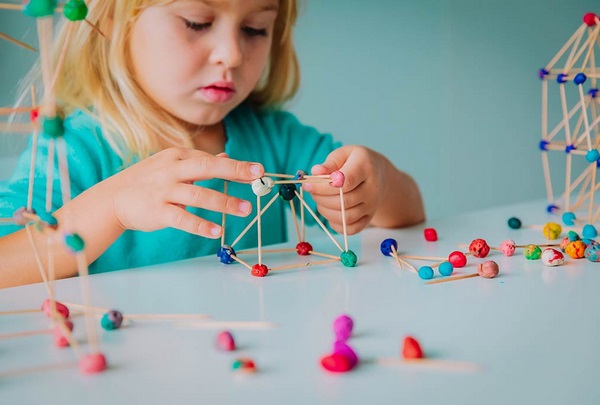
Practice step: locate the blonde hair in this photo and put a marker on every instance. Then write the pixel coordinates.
(97, 77)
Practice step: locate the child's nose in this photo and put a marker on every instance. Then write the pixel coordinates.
(227, 51)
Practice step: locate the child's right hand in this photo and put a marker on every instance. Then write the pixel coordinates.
(154, 193)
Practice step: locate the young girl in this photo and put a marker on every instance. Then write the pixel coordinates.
(177, 97)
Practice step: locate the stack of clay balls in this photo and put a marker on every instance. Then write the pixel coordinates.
(342, 358)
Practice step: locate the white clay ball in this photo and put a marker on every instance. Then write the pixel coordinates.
(262, 186)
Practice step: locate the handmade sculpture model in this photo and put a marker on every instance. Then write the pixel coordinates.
(577, 133)
(46, 117)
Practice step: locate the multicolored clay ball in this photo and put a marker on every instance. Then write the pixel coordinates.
(508, 247)
(552, 257)
(425, 272)
(592, 253)
(479, 248)
(488, 269)
(532, 252)
(111, 320)
(576, 249)
(552, 230)
(445, 269)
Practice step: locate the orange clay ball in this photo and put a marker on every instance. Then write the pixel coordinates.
(575, 249)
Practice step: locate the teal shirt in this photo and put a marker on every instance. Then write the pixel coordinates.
(276, 139)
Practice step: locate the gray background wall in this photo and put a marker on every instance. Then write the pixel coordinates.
(446, 89)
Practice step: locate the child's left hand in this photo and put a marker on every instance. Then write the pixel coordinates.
(375, 192)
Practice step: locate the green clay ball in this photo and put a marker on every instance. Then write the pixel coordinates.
(39, 8)
(532, 252)
(349, 259)
(53, 127)
(75, 10)
(74, 242)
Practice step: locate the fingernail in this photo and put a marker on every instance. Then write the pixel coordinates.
(245, 207)
(307, 187)
(215, 231)
(256, 170)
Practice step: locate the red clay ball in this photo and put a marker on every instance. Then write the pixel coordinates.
(458, 259)
(589, 19)
(304, 248)
(259, 270)
(430, 234)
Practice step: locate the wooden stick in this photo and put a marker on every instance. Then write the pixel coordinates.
(431, 258)
(15, 110)
(254, 251)
(284, 176)
(98, 311)
(224, 216)
(312, 252)
(565, 47)
(445, 280)
(31, 370)
(94, 27)
(345, 231)
(259, 227)
(240, 261)
(298, 265)
(430, 364)
(395, 254)
(17, 42)
(300, 181)
(83, 271)
(16, 127)
(8, 6)
(38, 259)
(318, 221)
(20, 312)
(254, 220)
(295, 218)
(33, 156)
(25, 334)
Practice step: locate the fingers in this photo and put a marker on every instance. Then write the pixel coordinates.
(209, 167)
(195, 196)
(178, 218)
(194, 165)
(356, 219)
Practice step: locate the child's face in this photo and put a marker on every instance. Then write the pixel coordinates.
(198, 59)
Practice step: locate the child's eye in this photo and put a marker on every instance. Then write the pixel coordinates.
(254, 32)
(196, 26)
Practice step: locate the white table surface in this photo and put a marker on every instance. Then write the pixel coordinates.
(534, 330)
